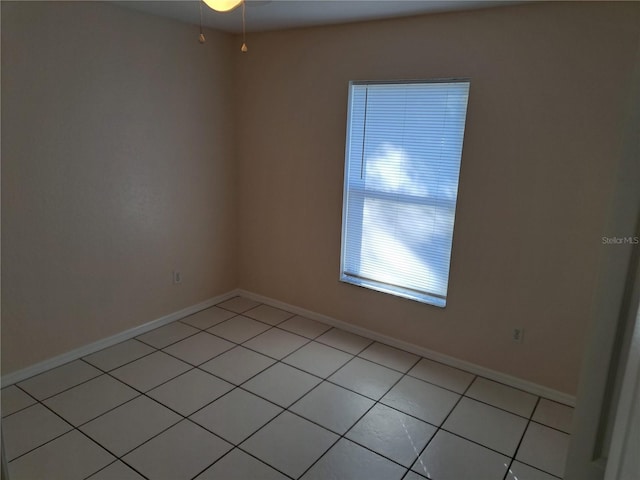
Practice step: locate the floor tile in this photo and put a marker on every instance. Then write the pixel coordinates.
(14, 399)
(392, 434)
(126, 427)
(236, 416)
(349, 342)
(501, 396)
(304, 326)
(389, 356)
(520, 471)
(208, 318)
(554, 415)
(544, 448)
(90, 399)
(116, 471)
(319, 359)
(276, 343)
(70, 457)
(278, 444)
(366, 378)
(281, 384)
(448, 457)
(119, 354)
(199, 348)
(55, 381)
(237, 465)
(165, 336)
(190, 391)
(420, 399)
(442, 375)
(332, 407)
(179, 453)
(486, 425)
(30, 428)
(150, 371)
(268, 314)
(346, 460)
(239, 329)
(237, 365)
(238, 304)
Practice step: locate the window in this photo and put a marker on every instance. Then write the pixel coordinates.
(404, 143)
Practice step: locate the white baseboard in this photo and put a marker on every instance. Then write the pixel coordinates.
(495, 375)
(85, 350)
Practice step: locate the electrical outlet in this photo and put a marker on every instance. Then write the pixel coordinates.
(177, 277)
(517, 335)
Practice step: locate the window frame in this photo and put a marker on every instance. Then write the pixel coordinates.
(376, 285)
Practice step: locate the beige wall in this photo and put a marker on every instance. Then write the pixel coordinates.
(117, 168)
(119, 153)
(543, 134)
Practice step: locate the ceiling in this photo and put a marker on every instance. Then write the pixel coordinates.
(263, 15)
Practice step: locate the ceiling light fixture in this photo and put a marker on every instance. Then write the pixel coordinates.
(222, 5)
(225, 6)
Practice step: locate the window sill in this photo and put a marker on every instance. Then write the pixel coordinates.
(396, 291)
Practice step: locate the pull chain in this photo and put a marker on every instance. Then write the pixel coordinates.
(201, 38)
(244, 48)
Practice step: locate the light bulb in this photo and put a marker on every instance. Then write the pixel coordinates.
(222, 5)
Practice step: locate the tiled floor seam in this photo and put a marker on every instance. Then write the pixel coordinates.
(231, 450)
(78, 428)
(439, 427)
(168, 344)
(48, 441)
(343, 436)
(275, 358)
(126, 363)
(286, 409)
(23, 408)
(66, 389)
(74, 428)
(253, 433)
(549, 426)
(524, 432)
(538, 469)
(497, 407)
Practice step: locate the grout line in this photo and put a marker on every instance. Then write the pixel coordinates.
(286, 409)
(66, 389)
(498, 408)
(220, 459)
(126, 363)
(524, 432)
(101, 469)
(550, 427)
(538, 469)
(439, 427)
(342, 349)
(35, 400)
(343, 436)
(48, 441)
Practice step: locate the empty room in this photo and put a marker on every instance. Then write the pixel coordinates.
(266, 239)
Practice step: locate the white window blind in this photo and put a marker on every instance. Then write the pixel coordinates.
(404, 144)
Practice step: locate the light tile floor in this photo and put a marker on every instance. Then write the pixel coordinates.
(246, 391)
